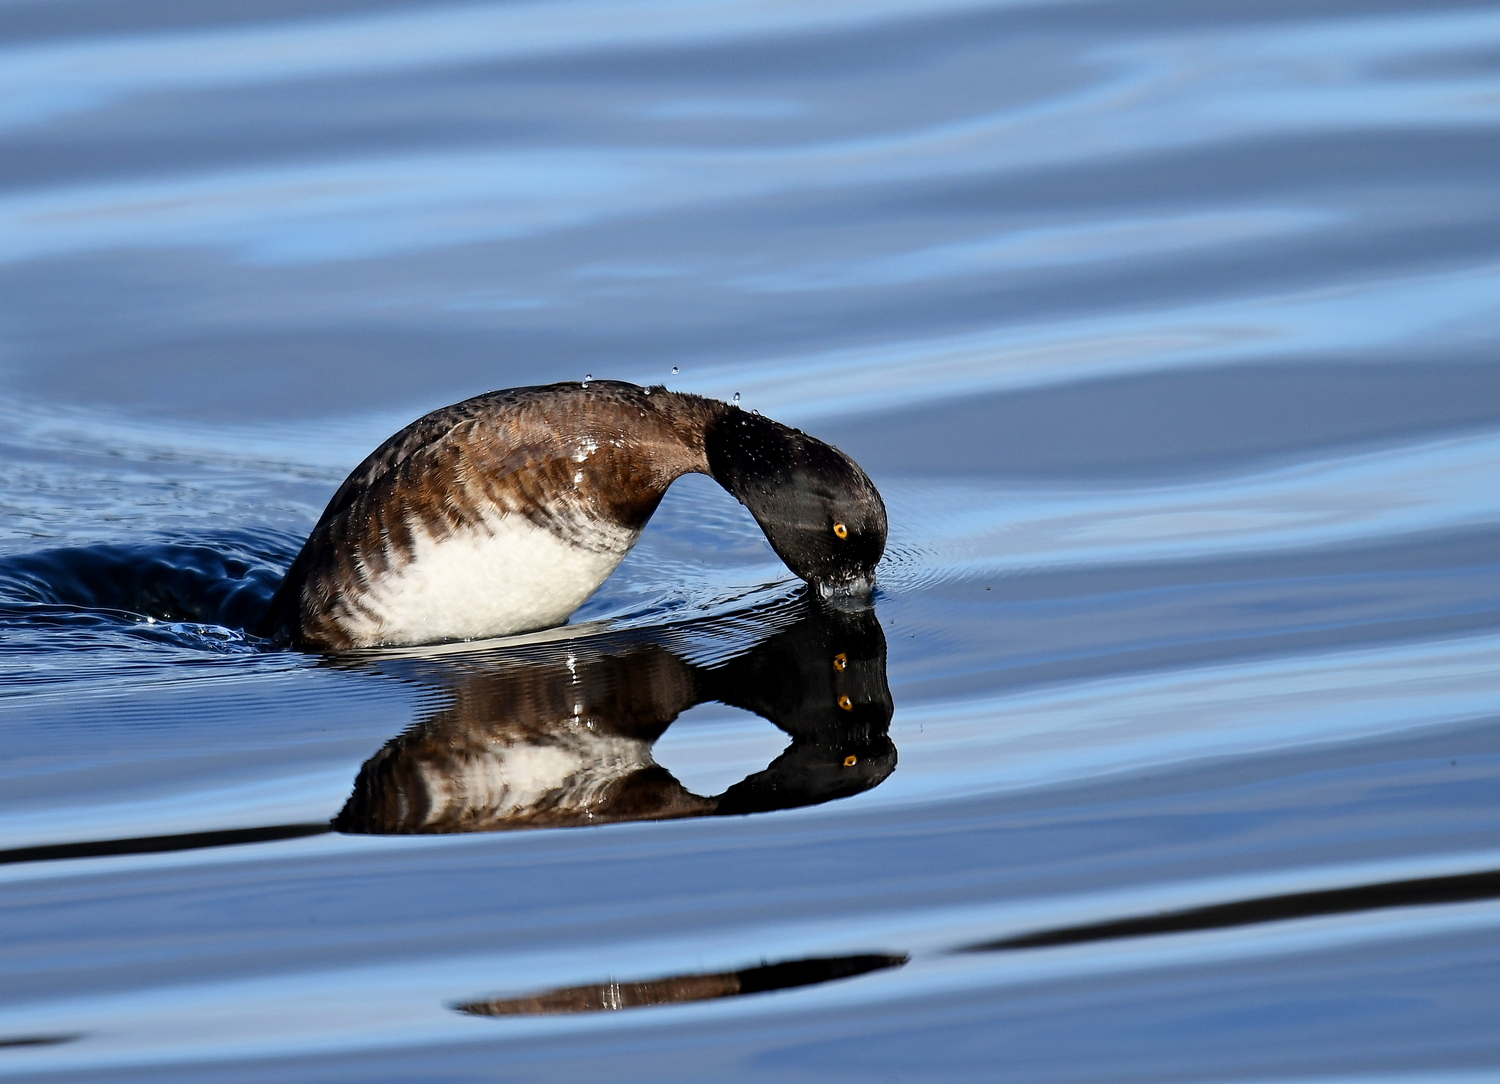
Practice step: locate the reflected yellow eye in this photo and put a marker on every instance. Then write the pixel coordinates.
(840, 661)
(851, 760)
(840, 530)
(846, 703)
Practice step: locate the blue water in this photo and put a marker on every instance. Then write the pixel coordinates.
(1169, 333)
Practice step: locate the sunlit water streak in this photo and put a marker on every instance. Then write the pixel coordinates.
(1375, 496)
(363, 208)
(1372, 318)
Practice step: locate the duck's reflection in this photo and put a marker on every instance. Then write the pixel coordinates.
(563, 736)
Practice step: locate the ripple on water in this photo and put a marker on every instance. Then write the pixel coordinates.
(1026, 258)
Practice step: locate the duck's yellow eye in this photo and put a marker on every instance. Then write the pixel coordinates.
(851, 760)
(840, 530)
(840, 661)
(846, 703)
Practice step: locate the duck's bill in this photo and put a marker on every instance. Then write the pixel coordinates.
(856, 590)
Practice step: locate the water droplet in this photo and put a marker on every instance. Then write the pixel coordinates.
(674, 370)
(756, 413)
(736, 398)
(586, 378)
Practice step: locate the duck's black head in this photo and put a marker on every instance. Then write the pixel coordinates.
(819, 510)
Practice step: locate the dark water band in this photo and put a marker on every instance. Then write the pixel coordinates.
(1423, 892)
(186, 841)
(681, 989)
(20, 1041)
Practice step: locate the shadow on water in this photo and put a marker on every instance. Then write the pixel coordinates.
(559, 734)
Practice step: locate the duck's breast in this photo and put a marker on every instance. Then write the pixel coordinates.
(504, 574)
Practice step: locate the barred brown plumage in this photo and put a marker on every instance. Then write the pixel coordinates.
(504, 512)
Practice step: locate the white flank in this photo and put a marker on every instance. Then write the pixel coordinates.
(507, 576)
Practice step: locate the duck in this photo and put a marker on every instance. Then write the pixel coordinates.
(503, 513)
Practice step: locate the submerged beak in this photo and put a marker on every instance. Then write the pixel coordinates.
(855, 591)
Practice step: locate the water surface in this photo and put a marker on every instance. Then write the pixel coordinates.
(1168, 332)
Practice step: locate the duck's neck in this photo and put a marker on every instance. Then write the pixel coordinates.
(689, 419)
